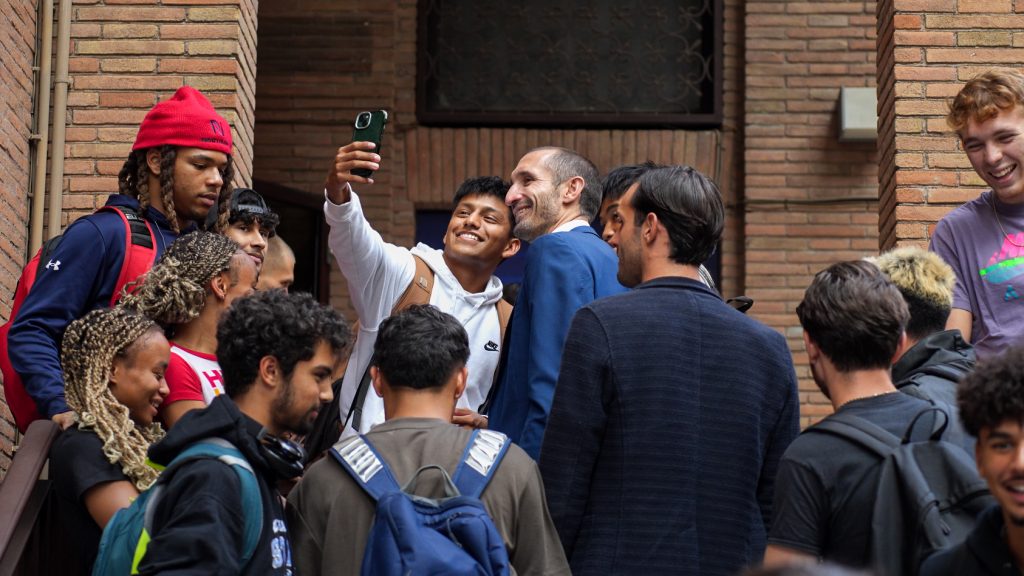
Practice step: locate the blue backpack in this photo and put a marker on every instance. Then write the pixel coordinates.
(127, 535)
(416, 535)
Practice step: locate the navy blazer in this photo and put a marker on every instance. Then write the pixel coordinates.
(671, 415)
(564, 271)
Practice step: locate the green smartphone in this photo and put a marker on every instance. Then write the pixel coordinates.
(369, 127)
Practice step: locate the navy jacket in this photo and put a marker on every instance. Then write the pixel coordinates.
(671, 414)
(983, 553)
(564, 271)
(87, 264)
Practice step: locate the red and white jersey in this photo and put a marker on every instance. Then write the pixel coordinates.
(193, 375)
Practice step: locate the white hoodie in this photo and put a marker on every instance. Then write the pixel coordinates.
(377, 274)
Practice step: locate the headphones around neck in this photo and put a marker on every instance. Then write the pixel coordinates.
(286, 458)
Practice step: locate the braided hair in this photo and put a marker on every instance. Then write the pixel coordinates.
(90, 346)
(174, 291)
(133, 180)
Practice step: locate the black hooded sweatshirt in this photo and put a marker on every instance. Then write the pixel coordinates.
(932, 370)
(199, 522)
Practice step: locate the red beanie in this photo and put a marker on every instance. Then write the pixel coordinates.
(186, 119)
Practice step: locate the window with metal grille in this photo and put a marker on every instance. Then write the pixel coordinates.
(570, 63)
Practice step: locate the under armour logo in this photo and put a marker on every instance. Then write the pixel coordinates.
(491, 346)
(217, 128)
(51, 265)
(1011, 294)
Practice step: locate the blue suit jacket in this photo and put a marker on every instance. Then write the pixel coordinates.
(564, 271)
(671, 416)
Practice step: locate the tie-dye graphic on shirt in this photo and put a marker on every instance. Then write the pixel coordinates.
(1006, 265)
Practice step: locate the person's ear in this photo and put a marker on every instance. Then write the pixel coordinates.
(812, 349)
(116, 371)
(511, 249)
(378, 382)
(269, 371)
(460, 382)
(220, 284)
(649, 229)
(902, 346)
(153, 161)
(573, 189)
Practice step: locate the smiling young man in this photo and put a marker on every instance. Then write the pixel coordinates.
(991, 401)
(983, 239)
(179, 166)
(478, 238)
(279, 353)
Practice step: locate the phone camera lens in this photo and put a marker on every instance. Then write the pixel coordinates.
(363, 120)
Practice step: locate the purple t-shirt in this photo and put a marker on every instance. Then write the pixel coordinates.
(988, 267)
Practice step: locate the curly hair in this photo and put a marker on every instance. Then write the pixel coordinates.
(993, 393)
(90, 346)
(420, 348)
(926, 282)
(985, 96)
(274, 323)
(133, 180)
(174, 291)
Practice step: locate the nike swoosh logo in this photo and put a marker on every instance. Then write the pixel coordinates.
(491, 346)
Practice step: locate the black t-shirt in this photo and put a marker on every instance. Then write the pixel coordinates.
(825, 487)
(77, 463)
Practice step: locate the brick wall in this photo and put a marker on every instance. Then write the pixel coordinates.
(17, 49)
(322, 62)
(936, 46)
(126, 55)
(810, 199)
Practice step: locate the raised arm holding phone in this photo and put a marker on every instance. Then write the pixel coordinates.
(460, 276)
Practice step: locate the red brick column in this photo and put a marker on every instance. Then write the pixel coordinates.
(126, 55)
(17, 27)
(931, 48)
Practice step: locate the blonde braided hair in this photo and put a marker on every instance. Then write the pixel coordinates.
(174, 291)
(90, 346)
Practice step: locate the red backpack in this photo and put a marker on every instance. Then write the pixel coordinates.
(140, 253)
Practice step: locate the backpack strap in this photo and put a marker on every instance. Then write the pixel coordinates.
(859, 431)
(417, 292)
(139, 247)
(480, 459)
(365, 465)
(504, 314)
(252, 501)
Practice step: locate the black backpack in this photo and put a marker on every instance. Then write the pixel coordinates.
(928, 496)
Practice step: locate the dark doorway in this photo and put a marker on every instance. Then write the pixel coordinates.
(303, 228)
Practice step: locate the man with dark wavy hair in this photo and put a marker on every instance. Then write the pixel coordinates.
(854, 319)
(992, 409)
(672, 409)
(279, 353)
